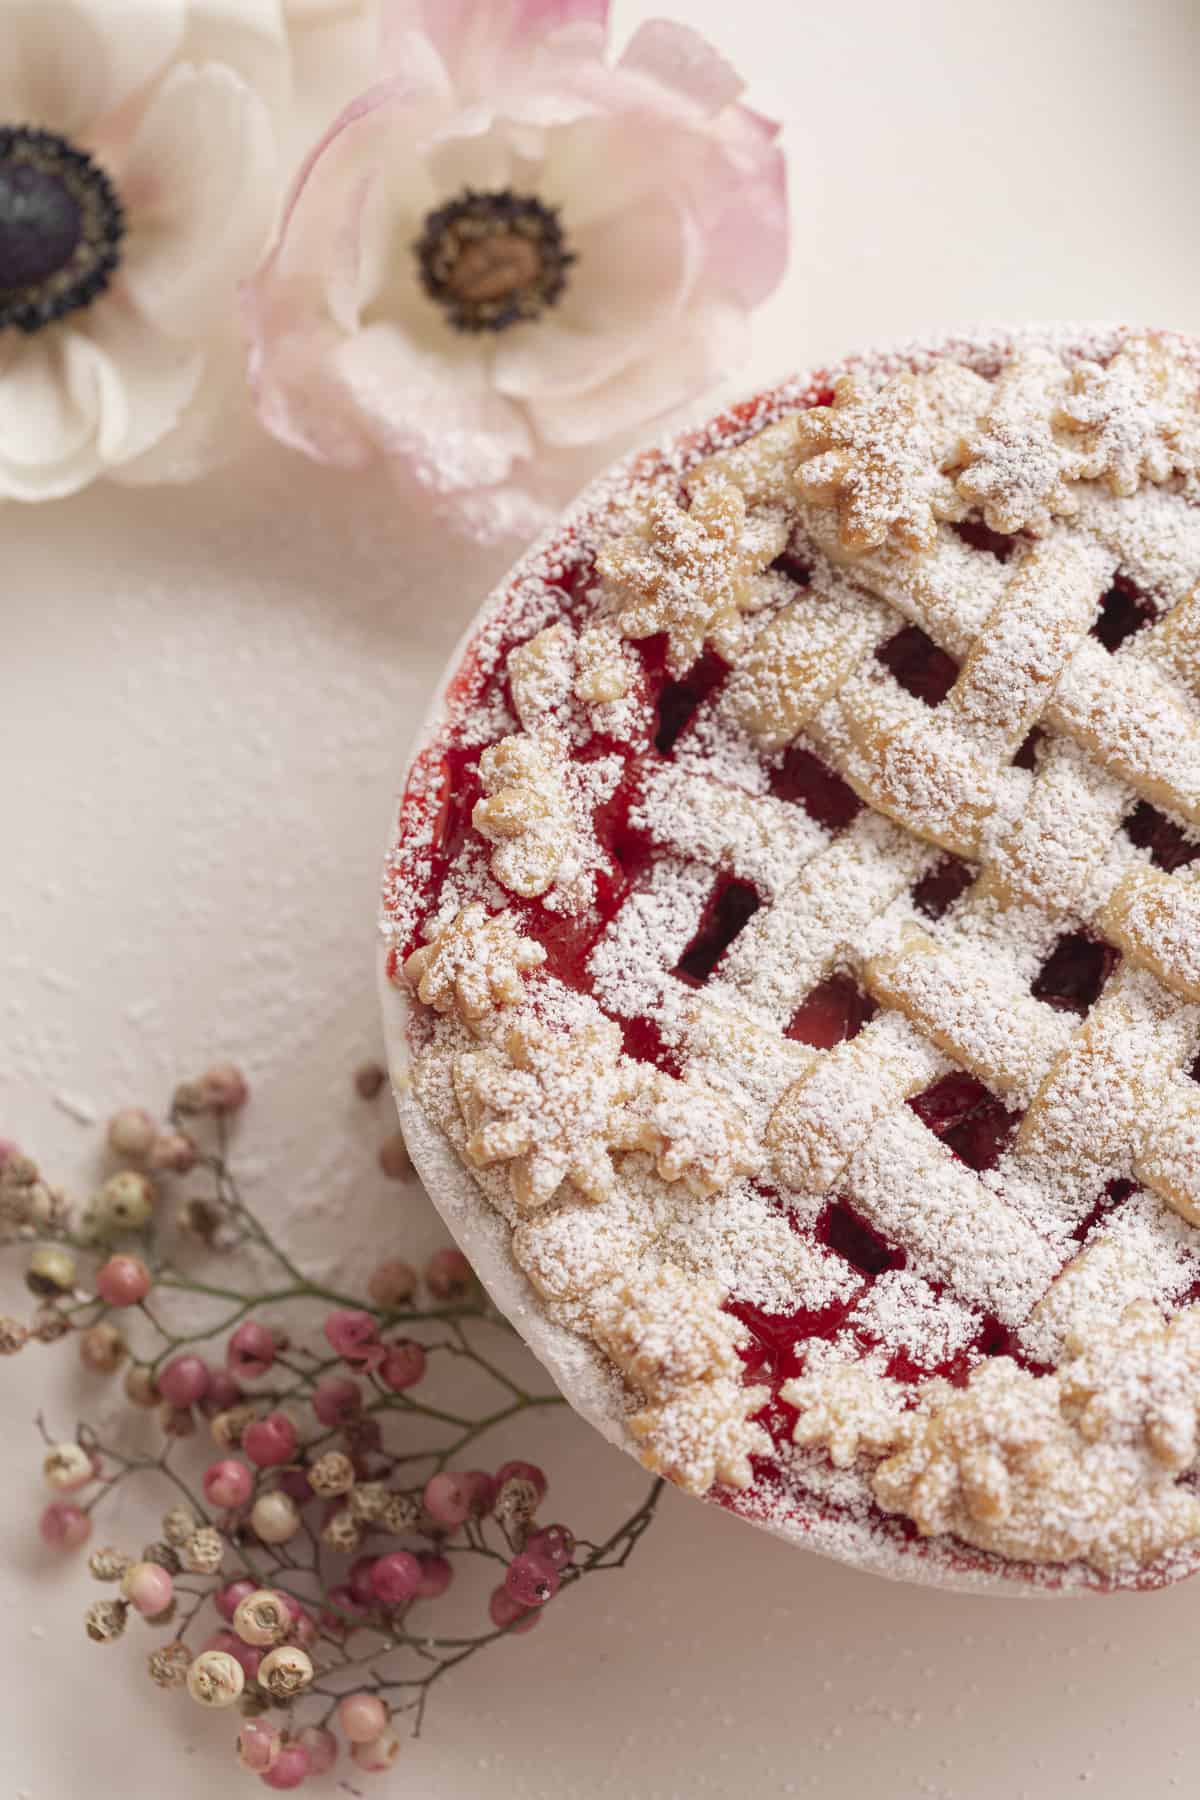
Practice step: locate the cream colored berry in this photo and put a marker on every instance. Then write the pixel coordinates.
(368, 1502)
(168, 1667)
(285, 1671)
(67, 1466)
(109, 1564)
(402, 1513)
(331, 1475)
(13, 1336)
(262, 1618)
(164, 1554)
(215, 1678)
(179, 1524)
(51, 1272)
(104, 1621)
(342, 1532)
(227, 1427)
(275, 1518)
(202, 1553)
(126, 1202)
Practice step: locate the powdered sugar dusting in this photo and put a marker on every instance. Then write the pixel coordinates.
(1044, 454)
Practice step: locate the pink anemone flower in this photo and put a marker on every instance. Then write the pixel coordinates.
(512, 248)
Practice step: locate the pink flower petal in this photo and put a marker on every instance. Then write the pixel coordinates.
(636, 271)
(671, 198)
(441, 416)
(478, 40)
(740, 197)
(332, 247)
(698, 352)
(679, 58)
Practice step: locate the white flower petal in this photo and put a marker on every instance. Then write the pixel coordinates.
(143, 380)
(199, 188)
(248, 36)
(696, 352)
(303, 11)
(47, 414)
(218, 425)
(442, 415)
(65, 64)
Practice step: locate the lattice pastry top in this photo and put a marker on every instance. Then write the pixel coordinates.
(798, 905)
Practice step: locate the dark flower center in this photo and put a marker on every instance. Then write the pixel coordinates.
(494, 259)
(61, 226)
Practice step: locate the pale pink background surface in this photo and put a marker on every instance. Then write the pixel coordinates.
(205, 698)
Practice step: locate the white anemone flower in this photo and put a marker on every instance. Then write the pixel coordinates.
(137, 186)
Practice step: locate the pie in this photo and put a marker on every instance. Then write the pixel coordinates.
(792, 942)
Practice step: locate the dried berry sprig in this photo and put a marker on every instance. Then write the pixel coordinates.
(289, 1563)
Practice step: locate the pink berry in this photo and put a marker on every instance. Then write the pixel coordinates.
(394, 1159)
(173, 1153)
(183, 1381)
(304, 1630)
(447, 1500)
(509, 1615)
(378, 1755)
(259, 1745)
(436, 1575)
(363, 1717)
(322, 1748)
(395, 1577)
(123, 1281)
(363, 1436)
(337, 1400)
(176, 1421)
(229, 1598)
(403, 1365)
(251, 1350)
(359, 1579)
(352, 1334)
(223, 1393)
(63, 1526)
(289, 1769)
(225, 1088)
(228, 1483)
(392, 1284)
(523, 1471)
(369, 1078)
(531, 1580)
(149, 1588)
(448, 1275)
(270, 1441)
(555, 1542)
(342, 1612)
(481, 1488)
(295, 1483)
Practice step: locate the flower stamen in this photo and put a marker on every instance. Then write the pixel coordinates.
(61, 225)
(492, 260)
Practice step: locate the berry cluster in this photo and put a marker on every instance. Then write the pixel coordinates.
(289, 1564)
